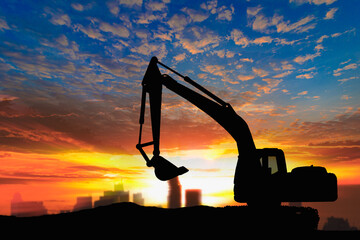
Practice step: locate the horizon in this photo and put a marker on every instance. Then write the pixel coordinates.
(70, 92)
(345, 207)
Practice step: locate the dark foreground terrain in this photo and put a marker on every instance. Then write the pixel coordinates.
(130, 218)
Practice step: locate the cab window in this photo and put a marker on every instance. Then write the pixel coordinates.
(273, 164)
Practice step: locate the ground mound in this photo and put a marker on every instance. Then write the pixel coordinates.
(202, 220)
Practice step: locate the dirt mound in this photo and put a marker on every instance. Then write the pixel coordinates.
(202, 220)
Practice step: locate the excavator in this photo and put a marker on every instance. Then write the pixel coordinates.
(261, 177)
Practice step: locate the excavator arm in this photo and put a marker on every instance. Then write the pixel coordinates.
(213, 106)
(260, 175)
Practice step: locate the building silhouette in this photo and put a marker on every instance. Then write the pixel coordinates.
(338, 224)
(83, 203)
(119, 187)
(20, 208)
(174, 195)
(111, 197)
(138, 199)
(192, 197)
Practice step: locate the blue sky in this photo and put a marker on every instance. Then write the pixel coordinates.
(289, 52)
(70, 74)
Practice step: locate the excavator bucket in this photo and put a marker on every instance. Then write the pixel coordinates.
(165, 170)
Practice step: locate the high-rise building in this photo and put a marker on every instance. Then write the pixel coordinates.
(119, 187)
(83, 203)
(138, 199)
(20, 208)
(174, 196)
(111, 197)
(192, 197)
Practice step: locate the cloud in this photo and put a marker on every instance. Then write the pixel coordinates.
(197, 40)
(283, 41)
(253, 11)
(246, 60)
(178, 22)
(330, 14)
(62, 40)
(285, 65)
(306, 75)
(338, 72)
(301, 94)
(332, 154)
(270, 87)
(321, 39)
(77, 6)
(239, 38)
(164, 36)
(230, 54)
(65, 47)
(345, 62)
(316, 2)
(262, 40)
(115, 29)
(210, 5)
(284, 74)
(267, 109)
(3, 25)
(118, 68)
(180, 57)
(245, 77)
(347, 79)
(345, 97)
(333, 140)
(298, 27)
(225, 13)
(61, 168)
(17, 180)
(217, 70)
(113, 7)
(155, 6)
(90, 32)
(337, 143)
(146, 18)
(307, 57)
(334, 35)
(63, 119)
(219, 53)
(131, 3)
(259, 22)
(35, 64)
(59, 18)
(196, 16)
(260, 72)
(149, 49)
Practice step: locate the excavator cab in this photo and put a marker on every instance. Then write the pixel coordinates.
(259, 186)
(271, 184)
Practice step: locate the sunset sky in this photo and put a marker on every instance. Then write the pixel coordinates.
(71, 73)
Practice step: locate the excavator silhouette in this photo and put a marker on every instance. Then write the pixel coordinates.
(261, 177)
